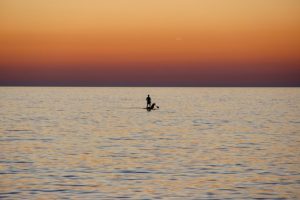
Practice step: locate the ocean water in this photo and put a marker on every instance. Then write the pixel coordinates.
(99, 143)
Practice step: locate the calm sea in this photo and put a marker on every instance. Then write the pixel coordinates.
(99, 143)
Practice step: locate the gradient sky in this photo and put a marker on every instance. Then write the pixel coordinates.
(150, 43)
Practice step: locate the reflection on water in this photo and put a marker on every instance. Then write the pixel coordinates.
(98, 143)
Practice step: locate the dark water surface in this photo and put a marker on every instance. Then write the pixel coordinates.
(98, 143)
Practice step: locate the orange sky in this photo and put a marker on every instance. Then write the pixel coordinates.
(160, 42)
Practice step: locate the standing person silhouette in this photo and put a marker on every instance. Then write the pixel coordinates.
(148, 99)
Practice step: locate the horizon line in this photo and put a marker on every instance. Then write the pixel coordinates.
(168, 86)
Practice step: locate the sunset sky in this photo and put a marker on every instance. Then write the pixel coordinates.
(150, 43)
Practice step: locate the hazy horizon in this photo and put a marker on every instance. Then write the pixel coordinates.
(158, 86)
(143, 43)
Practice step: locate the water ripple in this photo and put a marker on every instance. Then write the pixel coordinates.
(97, 143)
